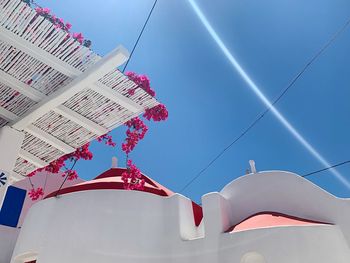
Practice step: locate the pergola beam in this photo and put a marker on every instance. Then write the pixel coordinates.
(37, 96)
(66, 69)
(7, 115)
(84, 80)
(116, 97)
(44, 136)
(32, 158)
(38, 53)
(14, 177)
(21, 87)
(81, 120)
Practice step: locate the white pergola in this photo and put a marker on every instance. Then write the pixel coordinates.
(56, 93)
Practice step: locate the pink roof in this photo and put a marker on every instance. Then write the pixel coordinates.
(271, 219)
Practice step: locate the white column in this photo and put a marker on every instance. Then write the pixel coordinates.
(10, 145)
(215, 214)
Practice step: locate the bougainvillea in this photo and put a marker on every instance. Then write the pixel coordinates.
(136, 128)
(136, 131)
(35, 194)
(59, 23)
(142, 82)
(157, 113)
(132, 177)
(107, 139)
(71, 175)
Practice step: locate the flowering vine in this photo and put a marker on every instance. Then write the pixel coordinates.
(142, 81)
(35, 194)
(136, 131)
(157, 113)
(57, 165)
(59, 23)
(107, 139)
(132, 177)
(136, 128)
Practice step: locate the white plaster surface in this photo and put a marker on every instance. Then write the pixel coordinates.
(108, 226)
(8, 237)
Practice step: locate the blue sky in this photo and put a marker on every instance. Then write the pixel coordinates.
(209, 103)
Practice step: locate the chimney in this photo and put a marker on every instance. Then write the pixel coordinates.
(114, 162)
(252, 166)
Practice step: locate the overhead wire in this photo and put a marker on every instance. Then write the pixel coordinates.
(325, 169)
(140, 35)
(278, 98)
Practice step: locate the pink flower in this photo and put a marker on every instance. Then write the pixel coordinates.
(157, 113)
(71, 175)
(38, 9)
(107, 139)
(35, 194)
(142, 81)
(79, 37)
(131, 92)
(137, 130)
(68, 26)
(45, 10)
(132, 177)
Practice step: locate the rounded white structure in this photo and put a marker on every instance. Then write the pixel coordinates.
(267, 217)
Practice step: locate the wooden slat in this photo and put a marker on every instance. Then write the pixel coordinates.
(32, 158)
(35, 95)
(58, 144)
(116, 97)
(38, 53)
(81, 120)
(91, 75)
(21, 87)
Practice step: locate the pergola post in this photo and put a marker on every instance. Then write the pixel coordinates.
(10, 146)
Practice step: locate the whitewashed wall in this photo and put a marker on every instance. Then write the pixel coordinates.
(108, 226)
(8, 237)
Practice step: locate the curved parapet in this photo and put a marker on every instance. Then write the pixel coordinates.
(103, 224)
(265, 217)
(278, 192)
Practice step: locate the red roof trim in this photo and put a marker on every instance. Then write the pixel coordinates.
(102, 182)
(102, 186)
(197, 213)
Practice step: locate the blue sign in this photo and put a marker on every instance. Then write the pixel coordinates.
(12, 206)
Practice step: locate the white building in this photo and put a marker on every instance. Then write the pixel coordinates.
(267, 217)
(58, 95)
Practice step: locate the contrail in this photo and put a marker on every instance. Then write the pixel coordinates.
(261, 95)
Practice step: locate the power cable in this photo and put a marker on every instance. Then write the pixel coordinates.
(325, 169)
(260, 116)
(141, 32)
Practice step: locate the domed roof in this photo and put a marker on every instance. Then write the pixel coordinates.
(111, 179)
